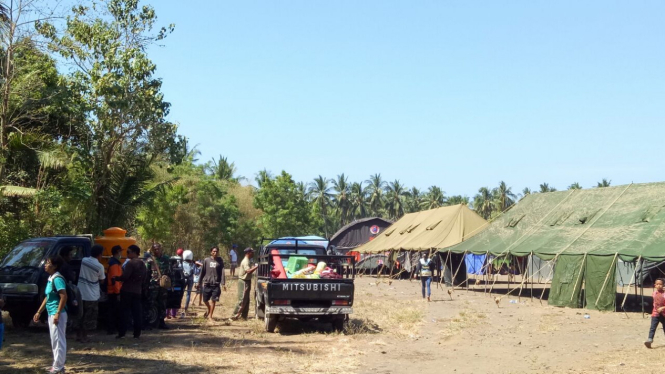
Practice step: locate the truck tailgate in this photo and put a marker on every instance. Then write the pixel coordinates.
(311, 290)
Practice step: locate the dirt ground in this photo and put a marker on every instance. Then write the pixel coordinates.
(392, 330)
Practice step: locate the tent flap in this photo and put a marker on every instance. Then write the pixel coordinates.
(599, 282)
(567, 282)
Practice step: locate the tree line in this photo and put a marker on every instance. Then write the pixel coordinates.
(85, 144)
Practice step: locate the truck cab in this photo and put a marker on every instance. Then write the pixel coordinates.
(297, 279)
(22, 275)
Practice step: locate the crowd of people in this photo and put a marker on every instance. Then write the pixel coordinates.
(130, 287)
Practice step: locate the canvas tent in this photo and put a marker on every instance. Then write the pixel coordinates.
(358, 233)
(427, 230)
(585, 233)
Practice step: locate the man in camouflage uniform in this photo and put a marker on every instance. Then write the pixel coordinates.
(157, 293)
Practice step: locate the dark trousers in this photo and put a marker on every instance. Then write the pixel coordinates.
(132, 310)
(654, 325)
(242, 308)
(114, 314)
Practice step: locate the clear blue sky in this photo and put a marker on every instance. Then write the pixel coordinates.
(459, 94)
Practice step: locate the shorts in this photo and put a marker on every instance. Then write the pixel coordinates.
(234, 265)
(88, 319)
(211, 292)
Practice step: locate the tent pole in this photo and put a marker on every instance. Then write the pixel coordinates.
(531, 274)
(625, 296)
(642, 288)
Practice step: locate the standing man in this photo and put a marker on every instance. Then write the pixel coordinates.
(113, 311)
(424, 269)
(233, 256)
(92, 272)
(244, 285)
(132, 278)
(211, 277)
(159, 265)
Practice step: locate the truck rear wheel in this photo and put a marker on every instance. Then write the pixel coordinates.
(338, 324)
(270, 322)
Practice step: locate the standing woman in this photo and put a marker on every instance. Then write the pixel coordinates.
(54, 303)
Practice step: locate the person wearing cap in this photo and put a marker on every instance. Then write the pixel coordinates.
(244, 285)
(233, 256)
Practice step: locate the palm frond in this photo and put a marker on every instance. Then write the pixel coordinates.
(17, 191)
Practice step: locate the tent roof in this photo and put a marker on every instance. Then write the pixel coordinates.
(434, 228)
(626, 220)
(357, 232)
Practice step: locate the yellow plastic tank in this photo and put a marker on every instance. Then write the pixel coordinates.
(114, 236)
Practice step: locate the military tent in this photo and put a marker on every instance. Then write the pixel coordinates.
(585, 233)
(427, 230)
(358, 233)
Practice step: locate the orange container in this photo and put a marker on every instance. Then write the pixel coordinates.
(114, 236)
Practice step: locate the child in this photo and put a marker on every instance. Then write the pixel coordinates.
(658, 313)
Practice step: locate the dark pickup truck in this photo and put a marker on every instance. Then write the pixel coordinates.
(280, 293)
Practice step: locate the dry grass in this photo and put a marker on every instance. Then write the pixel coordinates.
(398, 318)
(463, 320)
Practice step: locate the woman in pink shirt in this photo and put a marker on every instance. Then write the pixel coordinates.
(658, 313)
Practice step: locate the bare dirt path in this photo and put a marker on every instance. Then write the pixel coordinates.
(392, 331)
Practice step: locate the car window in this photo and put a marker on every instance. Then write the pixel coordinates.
(76, 251)
(26, 254)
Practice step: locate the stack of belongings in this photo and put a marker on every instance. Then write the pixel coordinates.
(299, 267)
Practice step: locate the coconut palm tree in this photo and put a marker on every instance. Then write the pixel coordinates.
(342, 198)
(375, 191)
(319, 193)
(434, 198)
(575, 186)
(526, 191)
(505, 196)
(458, 200)
(222, 169)
(413, 199)
(604, 183)
(358, 201)
(395, 194)
(262, 176)
(546, 188)
(482, 202)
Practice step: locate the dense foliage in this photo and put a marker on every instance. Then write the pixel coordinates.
(85, 144)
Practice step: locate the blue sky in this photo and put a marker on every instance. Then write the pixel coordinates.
(457, 94)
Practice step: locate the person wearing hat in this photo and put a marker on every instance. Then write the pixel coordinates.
(244, 285)
(233, 256)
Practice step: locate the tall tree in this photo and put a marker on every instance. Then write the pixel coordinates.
(126, 112)
(285, 210)
(413, 200)
(604, 183)
(482, 202)
(342, 198)
(222, 169)
(395, 194)
(458, 199)
(375, 186)
(505, 196)
(359, 203)
(575, 186)
(319, 193)
(434, 198)
(544, 187)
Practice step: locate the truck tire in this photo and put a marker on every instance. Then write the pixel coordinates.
(338, 324)
(150, 315)
(270, 322)
(20, 320)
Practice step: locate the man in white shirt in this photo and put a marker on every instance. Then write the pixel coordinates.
(233, 256)
(92, 272)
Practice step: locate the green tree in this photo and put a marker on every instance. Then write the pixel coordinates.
(375, 186)
(413, 200)
(359, 203)
(125, 109)
(434, 198)
(342, 198)
(395, 194)
(575, 186)
(544, 187)
(222, 169)
(285, 210)
(604, 183)
(321, 197)
(482, 202)
(504, 196)
(458, 199)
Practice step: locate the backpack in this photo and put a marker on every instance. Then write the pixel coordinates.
(73, 306)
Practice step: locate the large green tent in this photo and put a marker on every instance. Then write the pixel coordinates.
(585, 232)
